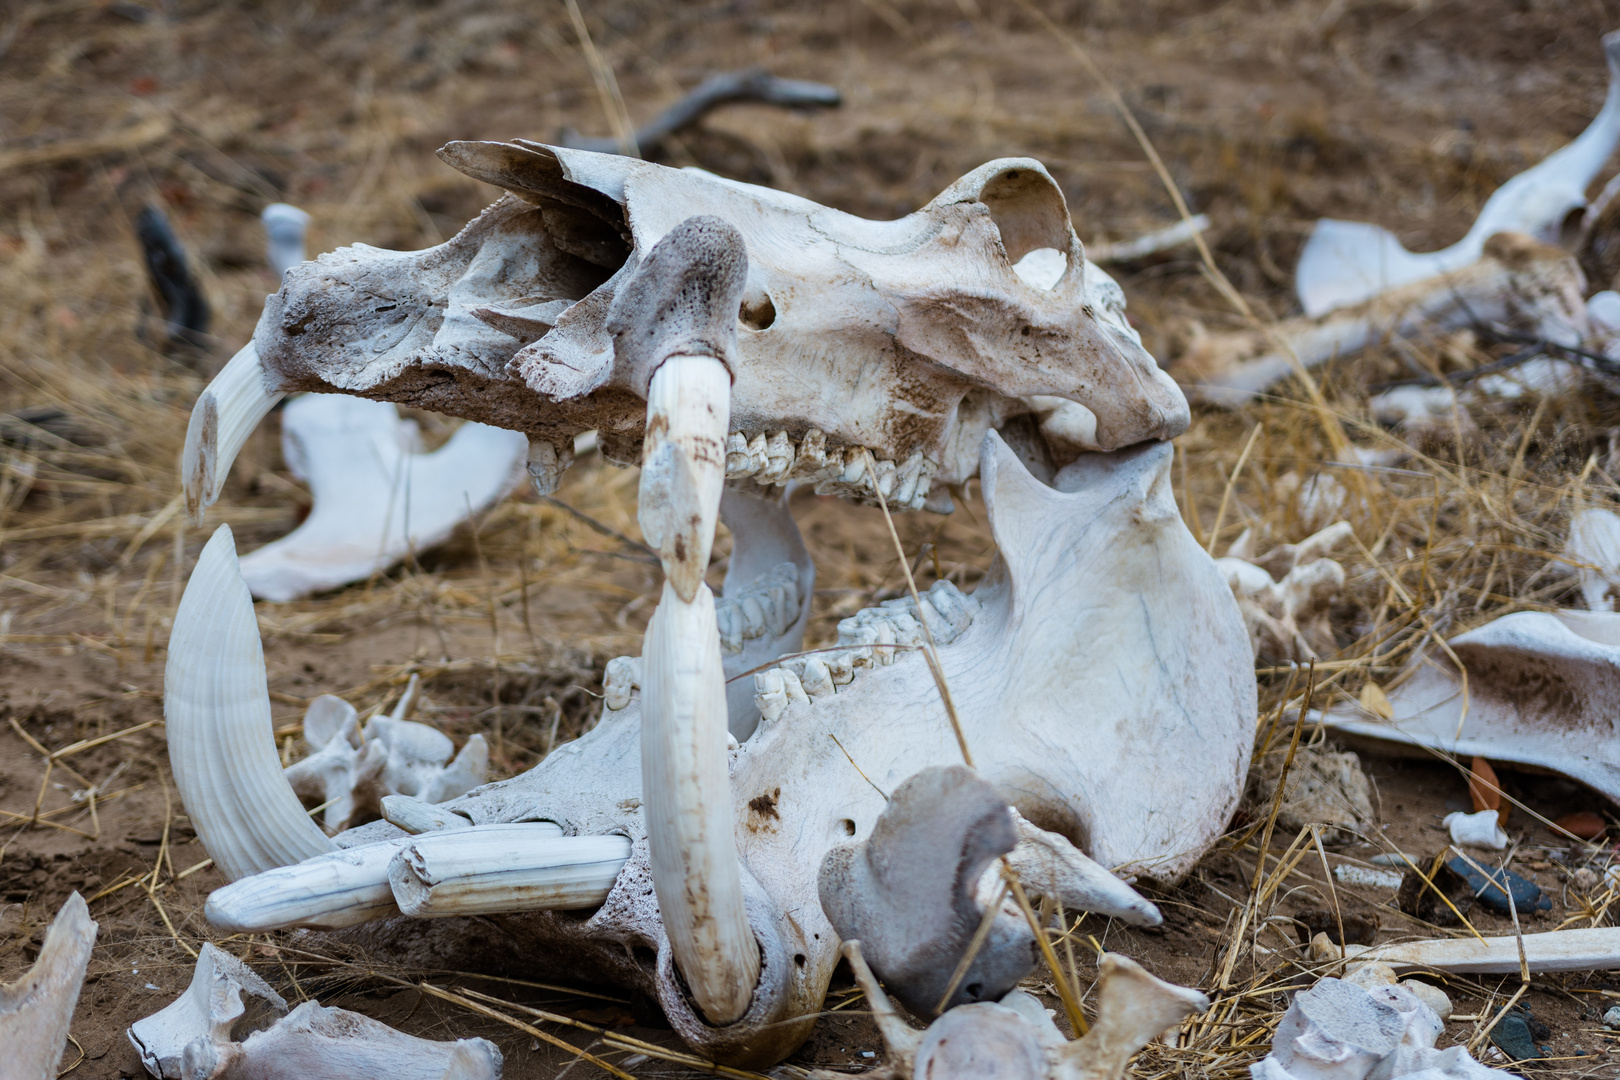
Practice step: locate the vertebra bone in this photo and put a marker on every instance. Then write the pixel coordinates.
(35, 1011)
(224, 1002)
(1285, 594)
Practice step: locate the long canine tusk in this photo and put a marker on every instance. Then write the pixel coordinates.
(502, 868)
(224, 416)
(222, 747)
(339, 888)
(685, 785)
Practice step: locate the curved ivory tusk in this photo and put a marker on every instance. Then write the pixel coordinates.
(686, 790)
(503, 868)
(222, 747)
(224, 416)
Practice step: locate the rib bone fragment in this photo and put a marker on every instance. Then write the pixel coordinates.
(35, 1011)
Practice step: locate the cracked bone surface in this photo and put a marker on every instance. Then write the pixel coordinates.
(1541, 688)
(1015, 1039)
(1532, 286)
(351, 770)
(1169, 703)
(1346, 262)
(854, 335)
(37, 1008)
(378, 498)
(211, 1033)
(1285, 594)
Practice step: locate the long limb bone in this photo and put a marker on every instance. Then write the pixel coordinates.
(35, 1010)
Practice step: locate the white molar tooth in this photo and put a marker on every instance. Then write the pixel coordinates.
(546, 464)
(906, 479)
(925, 481)
(815, 677)
(841, 666)
(862, 657)
(952, 605)
(770, 693)
(854, 466)
(730, 622)
(758, 458)
(886, 473)
(416, 816)
(738, 463)
(792, 689)
(886, 638)
(778, 459)
(907, 630)
(937, 626)
(811, 458)
(496, 869)
(223, 418)
(782, 608)
(222, 745)
(752, 609)
(620, 679)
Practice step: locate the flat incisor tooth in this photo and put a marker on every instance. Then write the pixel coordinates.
(224, 416)
(738, 463)
(687, 807)
(778, 458)
(222, 744)
(495, 869)
(683, 465)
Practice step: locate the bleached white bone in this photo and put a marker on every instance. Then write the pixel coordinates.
(503, 868)
(1476, 830)
(222, 747)
(1540, 692)
(37, 1008)
(377, 497)
(224, 1002)
(208, 1033)
(1170, 702)
(1050, 865)
(1346, 262)
(1285, 594)
(340, 888)
(284, 226)
(871, 336)
(1582, 949)
(416, 816)
(1594, 548)
(1517, 281)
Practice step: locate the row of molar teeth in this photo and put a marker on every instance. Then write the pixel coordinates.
(776, 459)
(869, 638)
(769, 604)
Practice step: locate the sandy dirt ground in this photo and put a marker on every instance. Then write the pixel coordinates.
(1267, 114)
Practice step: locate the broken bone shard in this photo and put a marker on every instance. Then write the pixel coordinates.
(210, 1033)
(35, 1010)
(1540, 692)
(1532, 286)
(224, 1002)
(908, 892)
(377, 497)
(1104, 536)
(284, 226)
(1347, 262)
(1476, 830)
(1593, 551)
(1338, 1030)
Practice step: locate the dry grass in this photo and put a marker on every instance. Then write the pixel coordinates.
(1266, 117)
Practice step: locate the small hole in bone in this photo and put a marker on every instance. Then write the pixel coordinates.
(798, 958)
(757, 312)
(974, 991)
(1042, 268)
(847, 826)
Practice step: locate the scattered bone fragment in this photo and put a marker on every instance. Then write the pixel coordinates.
(909, 892)
(1536, 288)
(351, 769)
(1581, 949)
(377, 497)
(1285, 594)
(1150, 243)
(1347, 262)
(750, 84)
(1324, 787)
(1367, 876)
(37, 1008)
(224, 1002)
(416, 816)
(1015, 1039)
(284, 226)
(1482, 830)
(1540, 692)
(210, 1033)
(1593, 551)
(1339, 1030)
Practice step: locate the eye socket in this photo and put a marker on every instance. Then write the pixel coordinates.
(1029, 211)
(757, 312)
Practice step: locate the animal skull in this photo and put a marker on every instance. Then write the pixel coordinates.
(775, 340)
